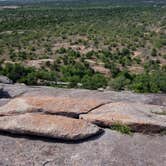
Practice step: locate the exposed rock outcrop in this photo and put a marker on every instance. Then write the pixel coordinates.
(15, 90)
(138, 116)
(54, 105)
(48, 126)
(29, 114)
(111, 149)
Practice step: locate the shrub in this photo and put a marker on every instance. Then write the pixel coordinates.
(125, 51)
(113, 69)
(119, 83)
(154, 52)
(150, 82)
(16, 71)
(124, 129)
(122, 81)
(27, 75)
(94, 82)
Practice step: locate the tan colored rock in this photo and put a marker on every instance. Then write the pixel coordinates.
(55, 105)
(64, 104)
(136, 115)
(48, 126)
(16, 106)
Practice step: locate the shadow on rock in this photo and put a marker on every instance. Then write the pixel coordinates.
(4, 94)
(52, 140)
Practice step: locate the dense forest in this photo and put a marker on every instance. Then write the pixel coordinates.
(76, 44)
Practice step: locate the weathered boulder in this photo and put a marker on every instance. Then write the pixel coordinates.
(139, 116)
(5, 80)
(54, 105)
(48, 126)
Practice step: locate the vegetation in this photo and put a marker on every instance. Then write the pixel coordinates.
(86, 45)
(122, 128)
(28, 75)
(160, 113)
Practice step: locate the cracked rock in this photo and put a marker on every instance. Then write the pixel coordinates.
(138, 116)
(57, 127)
(54, 105)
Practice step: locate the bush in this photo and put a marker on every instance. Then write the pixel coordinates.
(150, 82)
(74, 81)
(154, 52)
(27, 75)
(94, 82)
(16, 71)
(113, 69)
(122, 81)
(78, 69)
(125, 51)
(30, 79)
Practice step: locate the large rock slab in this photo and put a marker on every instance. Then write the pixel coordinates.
(54, 105)
(111, 149)
(17, 106)
(138, 116)
(48, 126)
(15, 90)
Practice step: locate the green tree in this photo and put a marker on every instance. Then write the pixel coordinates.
(154, 52)
(94, 82)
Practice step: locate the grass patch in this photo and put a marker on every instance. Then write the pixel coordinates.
(124, 129)
(163, 133)
(160, 113)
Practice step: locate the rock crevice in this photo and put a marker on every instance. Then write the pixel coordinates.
(139, 117)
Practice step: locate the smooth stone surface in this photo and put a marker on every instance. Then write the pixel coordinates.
(133, 114)
(57, 127)
(17, 106)
(3, 101)
(108, 96)
(55, 105)
(111, 149)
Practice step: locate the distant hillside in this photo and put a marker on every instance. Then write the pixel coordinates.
(131, 2)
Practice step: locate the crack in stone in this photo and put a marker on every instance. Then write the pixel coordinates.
(73, 114)
(147, 129)
(94, 108)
